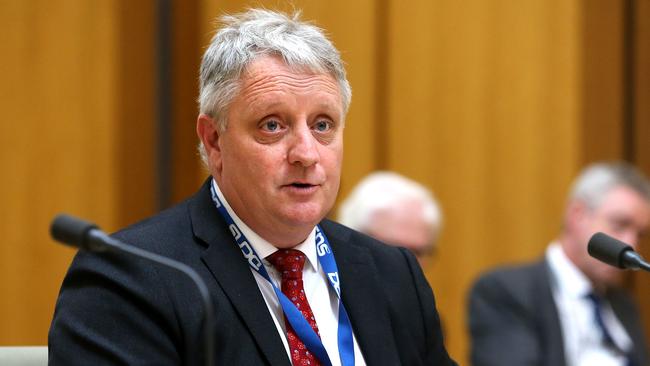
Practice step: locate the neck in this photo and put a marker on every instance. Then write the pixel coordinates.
(280, 236)
(567, 244)
(283, 241)
(571, 247)
(277, 234)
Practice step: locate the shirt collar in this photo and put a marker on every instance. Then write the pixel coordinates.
(262, 247)
(568, 278)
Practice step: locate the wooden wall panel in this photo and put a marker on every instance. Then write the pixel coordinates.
(484, 109)
(494, 105)
(602, 78)
(58, 101)
(135, 123)
(76, 121)
(187, 45)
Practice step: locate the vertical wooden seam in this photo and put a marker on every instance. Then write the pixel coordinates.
(163, 104)
(382, 85)
(629, 80)
(136, 107)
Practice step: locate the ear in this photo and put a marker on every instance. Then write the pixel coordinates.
(576, 212)
(208, 132)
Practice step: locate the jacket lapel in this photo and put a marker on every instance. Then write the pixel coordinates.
(224, 260)
(548, 314)
(362, 296)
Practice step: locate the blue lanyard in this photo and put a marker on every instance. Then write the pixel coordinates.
(300, 325)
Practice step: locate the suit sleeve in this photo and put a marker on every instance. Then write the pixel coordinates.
(110, 312)
(502, 332)
(435, 351)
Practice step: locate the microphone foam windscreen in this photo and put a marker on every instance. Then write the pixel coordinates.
(70, 230)
(607, 249)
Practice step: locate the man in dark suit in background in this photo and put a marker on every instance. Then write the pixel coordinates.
(288, 286)
(568, 308)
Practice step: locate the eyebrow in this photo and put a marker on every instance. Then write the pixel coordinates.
(324, 106)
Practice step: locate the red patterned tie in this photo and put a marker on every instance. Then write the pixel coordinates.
(289, 263)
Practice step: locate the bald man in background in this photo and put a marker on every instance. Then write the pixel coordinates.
(396, 210)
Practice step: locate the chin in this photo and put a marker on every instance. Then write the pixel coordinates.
(305, 215)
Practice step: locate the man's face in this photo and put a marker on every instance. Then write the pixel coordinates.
(278, 163)
(624, 215)
(404, 225)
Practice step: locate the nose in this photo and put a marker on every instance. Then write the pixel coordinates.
(630, 237)
(303, 149)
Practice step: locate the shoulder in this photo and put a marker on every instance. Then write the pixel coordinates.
(168, 233)
(519, 295)
(120, 286)
(176, 231)
(160, 234)
(168, 224)
(513, 281)
(151, 233)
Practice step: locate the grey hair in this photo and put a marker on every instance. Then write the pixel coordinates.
(259, 32)
(382, 190)
(597, 179)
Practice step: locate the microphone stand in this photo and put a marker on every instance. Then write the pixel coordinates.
(76, 232)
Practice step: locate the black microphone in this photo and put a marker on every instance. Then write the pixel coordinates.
(87, 236)
(615, 253)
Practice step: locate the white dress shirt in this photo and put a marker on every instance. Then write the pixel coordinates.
(583, 345)
(321, 297)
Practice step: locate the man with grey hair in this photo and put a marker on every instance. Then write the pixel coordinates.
(289, 287)
(396, 210)
(568, 308)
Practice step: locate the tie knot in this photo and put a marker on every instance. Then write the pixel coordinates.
(288, 262)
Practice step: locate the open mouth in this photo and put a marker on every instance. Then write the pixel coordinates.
(301, 188)
(301, 185)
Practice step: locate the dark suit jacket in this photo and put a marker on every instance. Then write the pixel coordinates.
(117, 310)
(513, 319)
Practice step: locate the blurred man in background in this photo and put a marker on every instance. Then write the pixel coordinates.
(568, 308)
(395, 210)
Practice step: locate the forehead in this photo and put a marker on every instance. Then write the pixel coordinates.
(407, 215)
(402, 223)
(625, 200)
(270, 74)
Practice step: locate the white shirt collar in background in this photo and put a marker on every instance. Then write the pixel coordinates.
(582, 338)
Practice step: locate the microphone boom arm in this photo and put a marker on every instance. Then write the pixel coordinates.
(87, 236)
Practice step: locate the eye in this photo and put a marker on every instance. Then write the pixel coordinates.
(271, 125)
(323, 126)
(619, 224)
